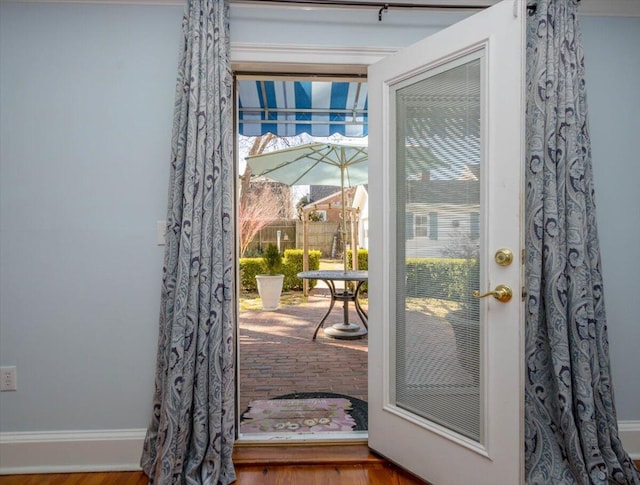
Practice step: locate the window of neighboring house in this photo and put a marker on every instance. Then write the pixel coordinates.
(426, 225)
(421, 225)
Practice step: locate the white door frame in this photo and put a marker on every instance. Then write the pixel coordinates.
(312, 59)
(269, 58)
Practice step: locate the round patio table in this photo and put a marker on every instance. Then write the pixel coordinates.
(344, 330)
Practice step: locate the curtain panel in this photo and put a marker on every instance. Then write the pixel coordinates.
(190, 438)
(571, 432)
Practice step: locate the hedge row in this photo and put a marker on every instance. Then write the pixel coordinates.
(291, 266)
(363, 264)
(363, 259)
(443, 278)
(448, 279)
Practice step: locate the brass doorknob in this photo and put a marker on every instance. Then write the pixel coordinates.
(502, 293)
(504, 257)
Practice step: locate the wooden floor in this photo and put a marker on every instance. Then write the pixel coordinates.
(285, 475)
(304, 465)
(258, 468)
(111, 478)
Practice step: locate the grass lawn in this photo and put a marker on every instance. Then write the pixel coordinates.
(251, 300)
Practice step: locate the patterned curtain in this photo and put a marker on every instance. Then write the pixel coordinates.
(190, 438)
(571, 431)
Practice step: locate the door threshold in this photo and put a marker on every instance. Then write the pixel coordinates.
(303, 453)
(268, 439)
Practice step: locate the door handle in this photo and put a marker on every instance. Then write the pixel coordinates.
(504, 257)
(502, 293)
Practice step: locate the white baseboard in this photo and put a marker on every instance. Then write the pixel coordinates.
(71, 451)
(120, 450)
(630, 436)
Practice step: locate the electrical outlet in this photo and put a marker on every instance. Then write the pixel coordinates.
(8, 378)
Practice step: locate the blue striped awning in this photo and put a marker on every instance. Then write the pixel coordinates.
(289, 108)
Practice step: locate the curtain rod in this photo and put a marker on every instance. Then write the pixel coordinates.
(382, 6)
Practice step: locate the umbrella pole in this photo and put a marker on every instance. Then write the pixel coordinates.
(344, 221)
(305, 250)
(353, 225)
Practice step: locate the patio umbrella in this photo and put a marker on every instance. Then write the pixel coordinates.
(316, 164)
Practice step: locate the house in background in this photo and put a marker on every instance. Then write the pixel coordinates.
(326, 216)
(318, 192)
(443, 217)
(329, 207)
(360, 202)
(86, 108)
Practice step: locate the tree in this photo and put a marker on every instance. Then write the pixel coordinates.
(260, 207)
(261, 203)
(258, 145)
(254, 212)
(304, 200)
(461, 245)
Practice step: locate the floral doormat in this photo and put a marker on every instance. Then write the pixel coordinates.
(298, 416)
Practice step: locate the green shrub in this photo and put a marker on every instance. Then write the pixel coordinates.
(249, 268)
(448, 279)
(291, 266)
(363, 259)
(363, 264)
(293, 259)
(272, 260)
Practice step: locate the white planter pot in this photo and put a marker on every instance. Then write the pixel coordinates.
(270, 289)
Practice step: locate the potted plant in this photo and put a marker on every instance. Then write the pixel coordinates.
(270, 284)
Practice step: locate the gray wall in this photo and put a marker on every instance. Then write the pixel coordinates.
(612, 59)
(86, 94)
(86, 100)
(336, 27)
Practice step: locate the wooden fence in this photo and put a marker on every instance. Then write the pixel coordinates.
(269, 235)
(323, 236)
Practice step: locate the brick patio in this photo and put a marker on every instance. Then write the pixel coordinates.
(277, 355)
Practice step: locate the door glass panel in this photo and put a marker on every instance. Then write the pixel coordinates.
(437, 328)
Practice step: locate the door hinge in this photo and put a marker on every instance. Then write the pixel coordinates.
(524, 293)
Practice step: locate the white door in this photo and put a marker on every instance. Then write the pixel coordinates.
(446, 156)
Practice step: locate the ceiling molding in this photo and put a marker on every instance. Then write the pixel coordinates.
(613, 8)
